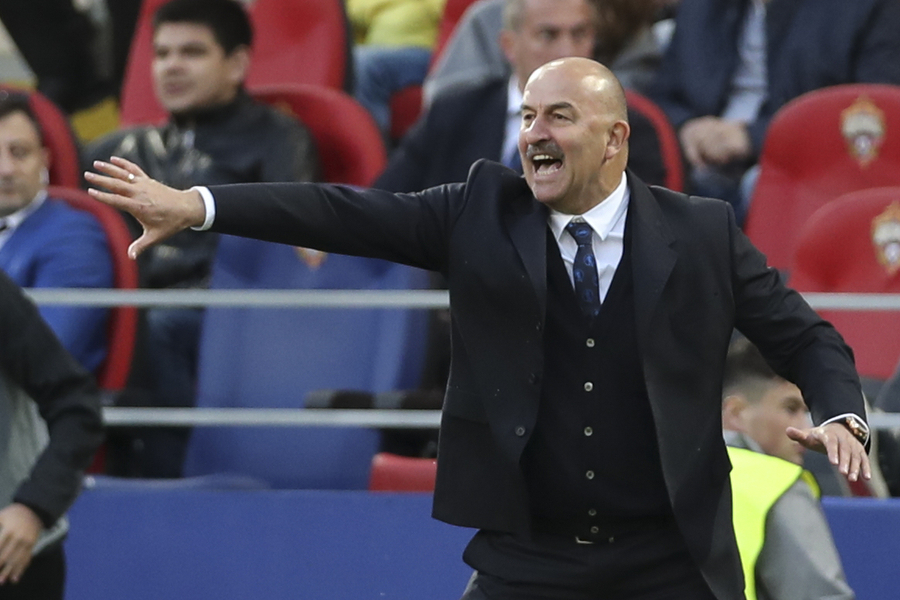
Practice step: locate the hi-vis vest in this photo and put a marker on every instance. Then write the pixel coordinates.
(757, 482)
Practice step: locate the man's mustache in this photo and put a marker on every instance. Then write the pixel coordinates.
(550, 148)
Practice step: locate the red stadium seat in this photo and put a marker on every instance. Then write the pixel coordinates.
(853, 245)
(122, 326)
(65, 170)
(665, 134)
(295, 41)
(350, 146)
(820, 145)
(393, 473)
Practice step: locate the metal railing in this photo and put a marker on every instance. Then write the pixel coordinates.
(324, 299)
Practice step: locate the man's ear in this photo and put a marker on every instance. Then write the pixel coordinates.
(238, 65)
(733, 412)
(618, 138)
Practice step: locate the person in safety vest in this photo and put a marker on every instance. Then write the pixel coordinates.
(784, 541)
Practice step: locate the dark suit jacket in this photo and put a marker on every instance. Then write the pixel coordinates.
(696, 276)
(810, 44)
(467, 123)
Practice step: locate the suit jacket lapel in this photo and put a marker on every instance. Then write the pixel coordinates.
(652, 255)
(526, 222)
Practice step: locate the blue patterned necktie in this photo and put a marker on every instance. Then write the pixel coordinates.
(584, 270)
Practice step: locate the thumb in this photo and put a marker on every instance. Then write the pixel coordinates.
(138, 246)
(798, 435)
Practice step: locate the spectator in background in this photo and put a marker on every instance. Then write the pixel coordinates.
(393, 44)
(216, 134)
(795, 557)
(45, 243)
(50, 427)
(624, 42)
(481, 119)
(732, 64)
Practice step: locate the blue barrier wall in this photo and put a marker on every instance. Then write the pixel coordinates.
(155, 542)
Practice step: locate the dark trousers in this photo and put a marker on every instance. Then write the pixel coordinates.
(44, 579)
(651, 565)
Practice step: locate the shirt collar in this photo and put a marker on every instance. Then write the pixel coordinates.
(604, 219)
(513, 97)
(15, 219)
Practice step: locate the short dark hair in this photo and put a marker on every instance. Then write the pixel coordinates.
(227, 20)
(746, 371)
(14, 101)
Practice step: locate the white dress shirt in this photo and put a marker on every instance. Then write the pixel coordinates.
(607, 219)
(15, 219)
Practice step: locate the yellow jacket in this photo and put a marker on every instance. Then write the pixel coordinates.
(395, 22)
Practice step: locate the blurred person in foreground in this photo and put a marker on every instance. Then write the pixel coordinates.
(216, 133)
(784, 540)
(50, 427)
(591, 316)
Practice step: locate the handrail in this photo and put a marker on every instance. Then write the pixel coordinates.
(347, 298)
(114, 416)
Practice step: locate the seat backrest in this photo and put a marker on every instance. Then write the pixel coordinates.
(818, 146)
(65, 169)
(122, 326)
(351, 149)
(394, 473)
(273, 357)
(295, 41)
(298, 41)
(669, 149)
(853, 245)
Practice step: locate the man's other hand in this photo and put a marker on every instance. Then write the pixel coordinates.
(843, 449)
(19, 531)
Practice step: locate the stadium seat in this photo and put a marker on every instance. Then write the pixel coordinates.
(351, 149)
(295, 41)
(669, 148)
(406, 104)
(852, 245)
(65, 169)
(298, 41)
(820, 145)
(394, 473)
(274, 357)
(122, 326)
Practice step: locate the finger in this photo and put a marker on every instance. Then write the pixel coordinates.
(865, 466)
(112, 170)
(855, 463)
(19, 566)
(127, 165)
(122, 187)
(115, 200)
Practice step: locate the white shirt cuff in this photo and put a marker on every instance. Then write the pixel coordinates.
(860, 423)
(209, 203)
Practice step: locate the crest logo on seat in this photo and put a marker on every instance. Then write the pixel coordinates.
(886, 237)
(863, 128)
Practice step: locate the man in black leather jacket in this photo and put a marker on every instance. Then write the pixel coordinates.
(216, 134)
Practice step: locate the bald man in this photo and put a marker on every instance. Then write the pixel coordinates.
(581, 433)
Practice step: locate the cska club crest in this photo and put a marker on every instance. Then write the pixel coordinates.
(862, 125)
(886, 237)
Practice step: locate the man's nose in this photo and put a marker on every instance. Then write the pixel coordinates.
(535, 131)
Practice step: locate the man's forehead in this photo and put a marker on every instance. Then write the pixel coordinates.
(183, 33)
